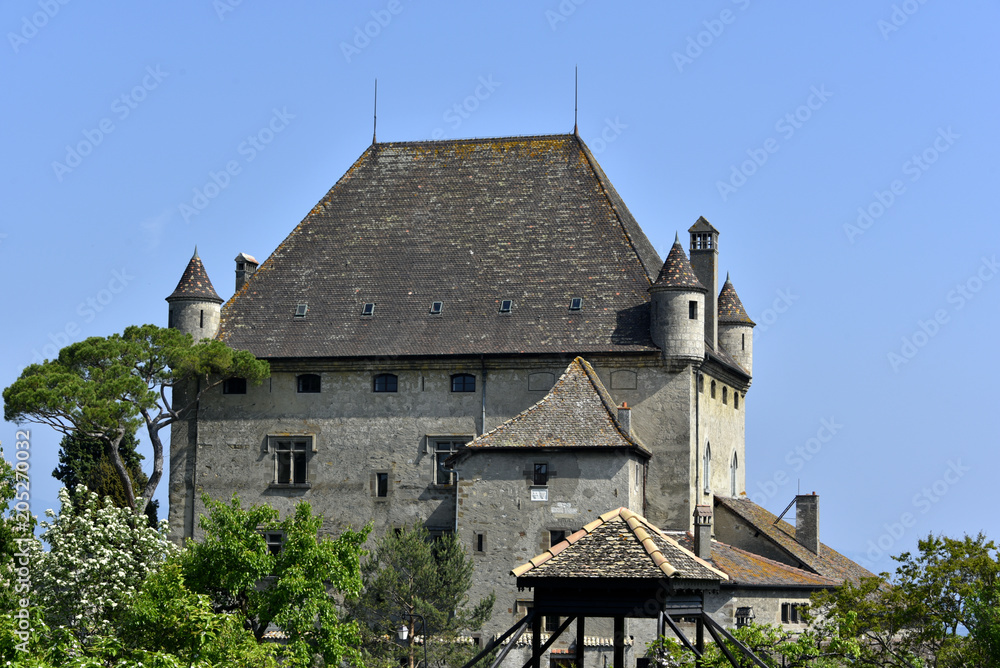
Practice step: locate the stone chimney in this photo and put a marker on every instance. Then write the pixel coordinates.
(807, 521)
(703, 532)
(625, 418)
(705, 263)
(246, 265)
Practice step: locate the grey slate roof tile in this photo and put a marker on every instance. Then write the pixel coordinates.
(468, 223)
(194, 283)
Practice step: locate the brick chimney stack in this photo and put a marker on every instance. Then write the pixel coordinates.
(625, 418)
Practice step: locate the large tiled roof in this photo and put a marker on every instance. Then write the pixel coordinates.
(731, 309)
(747, 568)
(577, 412)
(828, 563)
(194, 283)
(468, 223)
(677, 272)
(619, 544)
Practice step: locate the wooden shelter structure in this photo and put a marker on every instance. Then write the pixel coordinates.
(617, 566)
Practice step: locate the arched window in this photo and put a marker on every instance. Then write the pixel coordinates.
(385, 382)
(736, 400)
(463, 382)
(732, 475)
(308, 383)
(713, 389)
(725, 394)
(707, 467)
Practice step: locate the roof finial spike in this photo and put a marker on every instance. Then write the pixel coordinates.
(195, 252)
(727, 277)
(576, 95)
(375, 112)
(677, 237)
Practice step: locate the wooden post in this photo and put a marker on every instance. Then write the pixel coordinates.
(536, 641)
(619, 642)
(580, 644)
(699, 642)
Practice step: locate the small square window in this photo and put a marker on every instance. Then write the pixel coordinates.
(382, 484)
(274, 540)
(301, 310)
(385, 382)
(436, 308)
(368, 309)
(693, 310)
(463, 382)
(234, 386)
(576, 304)
(308, 383)
(550, 623)
(556, 536)
(541, 475)
(506, 305)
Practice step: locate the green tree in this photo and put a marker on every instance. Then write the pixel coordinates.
(83, 461)
(409, 574)
(106, 387)
(296, 589)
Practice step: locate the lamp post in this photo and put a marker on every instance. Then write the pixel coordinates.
(404, 633)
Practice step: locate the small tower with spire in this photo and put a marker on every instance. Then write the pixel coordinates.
(677, 323)
(195, 307)
(735, 327)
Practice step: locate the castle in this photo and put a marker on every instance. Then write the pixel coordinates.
(478, 336)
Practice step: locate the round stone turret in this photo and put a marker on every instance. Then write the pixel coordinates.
(735, 327)
(677, 323)
(195, 307)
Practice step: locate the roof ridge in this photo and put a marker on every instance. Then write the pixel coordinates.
(458, 140)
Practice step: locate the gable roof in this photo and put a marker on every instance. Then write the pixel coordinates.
(747, 568)
(468, 223)
(619, 544)
(194, 283)
(828, 563)
(577, 412)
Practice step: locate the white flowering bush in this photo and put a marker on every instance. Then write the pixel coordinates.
(99, 556)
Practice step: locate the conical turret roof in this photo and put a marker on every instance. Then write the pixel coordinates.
(194, 283)
(731, 309)
(677, 272)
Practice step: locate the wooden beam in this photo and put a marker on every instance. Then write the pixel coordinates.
(728, 636)
(523, 624)
(552, 639)
(536, 633)
(619, 642)
(680, 634)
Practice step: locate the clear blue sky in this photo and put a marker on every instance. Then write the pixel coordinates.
(777, 123)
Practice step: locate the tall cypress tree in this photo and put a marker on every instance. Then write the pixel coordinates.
(83, 461)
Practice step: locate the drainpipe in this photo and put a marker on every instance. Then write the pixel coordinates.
(482, 363)
(697, 437)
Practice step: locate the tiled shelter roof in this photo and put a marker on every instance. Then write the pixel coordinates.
(469, 223)
(747, 568)
(828, 563)
(677, 272)
(619, 544)
(194, 283)
(730, 307)
(577, 412)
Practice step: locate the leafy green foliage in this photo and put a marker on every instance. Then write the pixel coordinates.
(409, 574)
(106, 387)
(295, 589)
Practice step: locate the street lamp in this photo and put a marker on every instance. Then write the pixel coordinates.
(404, 633)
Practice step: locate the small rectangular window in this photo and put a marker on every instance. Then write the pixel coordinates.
(443, 449)
(201, 321)
(385, 382)
(725, 395)
(479, 543)
(290, 461)
(382, 484)
(693, 309)
(463, 382)
(308, 383)
(234, 386)
(436, 308)
(506, 305)
(274, 540)
(550, 623)
(556, 536)
(576, 304)
(368, 309)
(541, 474)
(736, 400)
(301, 310)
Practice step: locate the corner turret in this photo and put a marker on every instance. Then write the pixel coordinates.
(195, 307)
(677, 323)
(735, 327)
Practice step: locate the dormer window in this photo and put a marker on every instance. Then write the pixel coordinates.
(436, 308)
(301, 310)
(506, 305)
(576, 304)
(368, 309)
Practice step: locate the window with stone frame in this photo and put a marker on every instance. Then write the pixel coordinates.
(443, 449)
(463, 382)
(291, 459)
(275, 540)
(791, 613)
(308, 383)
